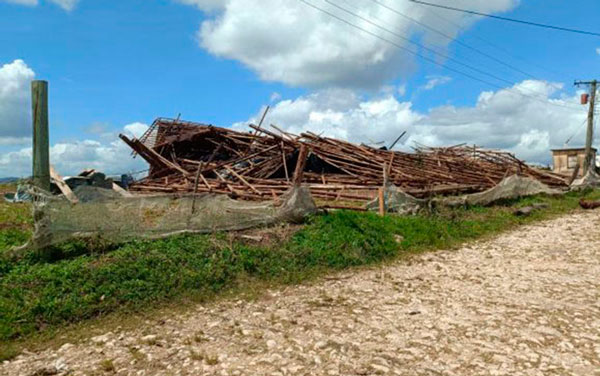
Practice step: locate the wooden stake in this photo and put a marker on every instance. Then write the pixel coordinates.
(283, 156)
(198, 172)
(299, 172)
(382, 202)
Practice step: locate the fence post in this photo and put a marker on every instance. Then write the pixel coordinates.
(41, 143)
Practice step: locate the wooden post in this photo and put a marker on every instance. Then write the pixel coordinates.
(41, 143)
(198, 174)
(385, 175)
(381, 201)
(299, 172)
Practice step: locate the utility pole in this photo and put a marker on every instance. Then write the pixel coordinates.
(41, 157)
(590, 129)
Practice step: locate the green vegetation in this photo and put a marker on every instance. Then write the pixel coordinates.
(15, 220)
(79, 280)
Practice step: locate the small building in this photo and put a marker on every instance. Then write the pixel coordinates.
(566, 160)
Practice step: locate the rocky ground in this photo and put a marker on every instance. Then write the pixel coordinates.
(524, 303)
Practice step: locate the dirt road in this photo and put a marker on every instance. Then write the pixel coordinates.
(524, 303)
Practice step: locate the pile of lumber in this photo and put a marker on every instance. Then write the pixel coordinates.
(263, 163)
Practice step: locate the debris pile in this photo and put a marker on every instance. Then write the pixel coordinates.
(262, 164)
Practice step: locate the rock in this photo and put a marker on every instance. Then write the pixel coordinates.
(46, 371)
(320, 345)
(61, 365)
(150, 339)
(271, 344)
(66, 347)
(99, 340)
(380, 369)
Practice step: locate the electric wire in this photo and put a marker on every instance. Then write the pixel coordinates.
(577, 131)
(457, 41)
(559, 28)
(540, 99)
(432, 51)
(467, 46)
(400, 36)
(396, 44)
(497, 46)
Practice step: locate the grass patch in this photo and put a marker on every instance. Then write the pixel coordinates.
(16, 222)
(76, 281)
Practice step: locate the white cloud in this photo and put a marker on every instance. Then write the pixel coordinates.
(598, 51)
(290, 42)
(15, 102)
(503, 119)
(342, 114)
(22, 2)
(70, 158)
(110, 155)
(434, 81)
(402, 90)
(65, 4)
(135, 129)
(206, 5)
(275, 97)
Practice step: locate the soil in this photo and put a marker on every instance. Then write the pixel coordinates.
(524, 303)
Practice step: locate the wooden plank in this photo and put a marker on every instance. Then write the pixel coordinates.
(299, 172)
(242, 180)
(64, 188)
(284, 157)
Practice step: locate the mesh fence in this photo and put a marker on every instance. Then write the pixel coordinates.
(398, 201)
(100, 213)
(514, 186)
(104, 214)
(590, 180)
(511, 187)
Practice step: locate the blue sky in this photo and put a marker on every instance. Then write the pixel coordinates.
(115, 63)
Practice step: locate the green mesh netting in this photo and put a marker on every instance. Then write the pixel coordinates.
(115, 218)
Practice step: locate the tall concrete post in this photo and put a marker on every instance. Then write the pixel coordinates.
(589, 160)
(41, 143)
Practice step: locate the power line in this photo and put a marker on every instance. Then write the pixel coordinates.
(397, 45)
(470, 47)
(427, 58)
(498, 47)
(577, 131)
(465, 45)
(449, 58)
(507, 19)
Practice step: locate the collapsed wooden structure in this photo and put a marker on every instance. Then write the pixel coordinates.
(262, 164)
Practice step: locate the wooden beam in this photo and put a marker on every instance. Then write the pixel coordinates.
(64, 188)
(284, 157)
(300, 165)
(231, 171)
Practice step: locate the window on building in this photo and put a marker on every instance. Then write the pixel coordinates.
(572, 161)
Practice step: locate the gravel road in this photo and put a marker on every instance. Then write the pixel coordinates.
(524, 303)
